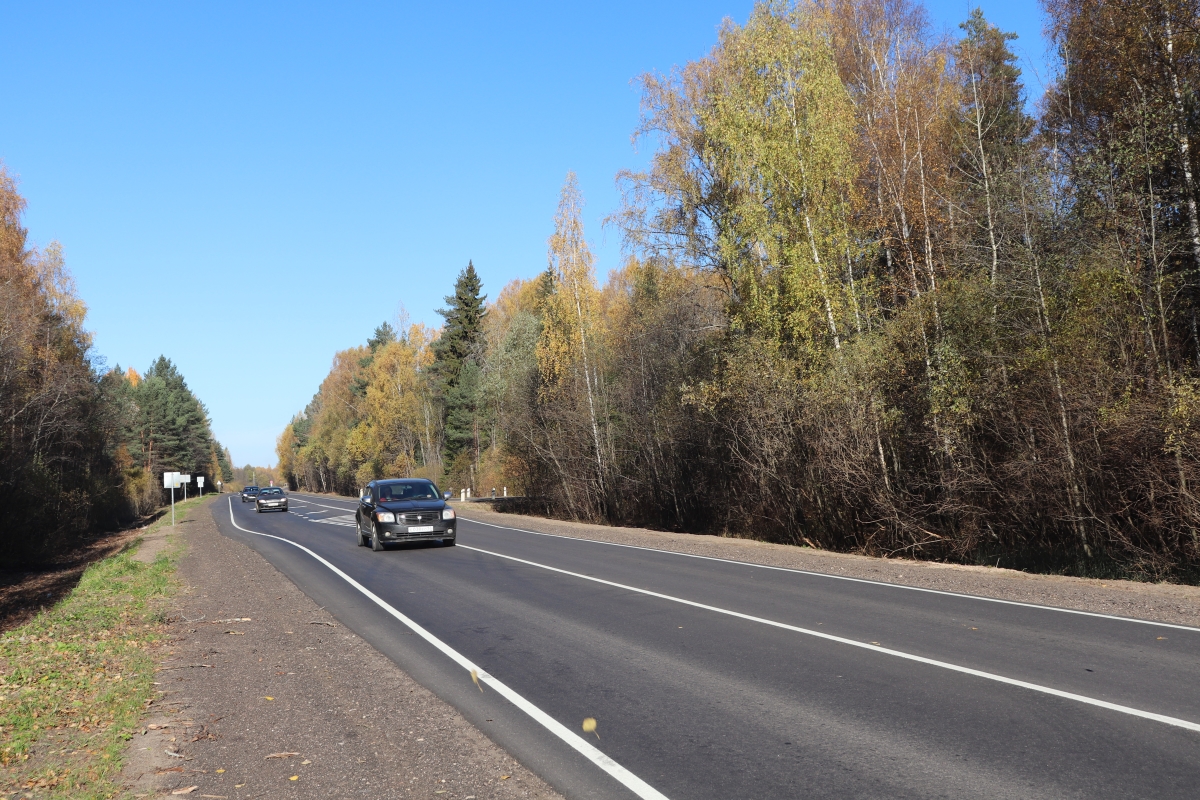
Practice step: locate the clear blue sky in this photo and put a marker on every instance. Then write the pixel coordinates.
(229, 179)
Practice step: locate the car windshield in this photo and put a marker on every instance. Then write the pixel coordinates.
(407, 491)
(251, 488)
(271, 491)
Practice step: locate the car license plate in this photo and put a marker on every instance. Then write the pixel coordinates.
(420, 529)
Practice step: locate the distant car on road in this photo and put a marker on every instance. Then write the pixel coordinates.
(249, 493)
(271, 498)
(403, 510)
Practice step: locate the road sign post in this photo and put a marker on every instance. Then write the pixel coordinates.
(200, 484)
(171, 481)
(218, 487)
(184, 480)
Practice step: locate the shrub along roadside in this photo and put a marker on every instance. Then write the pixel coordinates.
(76, 679)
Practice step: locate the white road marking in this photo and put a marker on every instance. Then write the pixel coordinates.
(626, 778)
(335, 508)
(847, 578)
(1136, 712)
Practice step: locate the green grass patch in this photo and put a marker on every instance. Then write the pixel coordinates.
(76, 680)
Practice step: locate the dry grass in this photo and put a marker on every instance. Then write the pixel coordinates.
(76, 680)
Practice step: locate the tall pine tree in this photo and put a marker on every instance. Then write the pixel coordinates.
(456, 367)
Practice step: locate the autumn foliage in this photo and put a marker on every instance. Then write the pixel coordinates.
(871, 303)
(81, 448)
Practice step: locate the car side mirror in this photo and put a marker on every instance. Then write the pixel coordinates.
(445, 495)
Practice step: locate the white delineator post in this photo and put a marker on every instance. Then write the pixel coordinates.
(200, 484)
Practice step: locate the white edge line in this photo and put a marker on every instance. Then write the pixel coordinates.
(848, 578)
(1136, 712)
(581, 745)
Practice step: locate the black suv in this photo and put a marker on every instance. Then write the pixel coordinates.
(249, 494)
(403, 510)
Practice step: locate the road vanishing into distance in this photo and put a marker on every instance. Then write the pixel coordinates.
(719, 679)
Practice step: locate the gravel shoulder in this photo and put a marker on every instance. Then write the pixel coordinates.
(1160, 602)
(263, 694)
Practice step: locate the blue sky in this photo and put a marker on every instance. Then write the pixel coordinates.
(230, 180)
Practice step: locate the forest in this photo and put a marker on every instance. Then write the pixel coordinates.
(82, 447)
(875, 299)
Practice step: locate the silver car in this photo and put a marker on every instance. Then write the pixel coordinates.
(271, 498)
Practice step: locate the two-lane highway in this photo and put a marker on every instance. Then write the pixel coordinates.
(717, 679)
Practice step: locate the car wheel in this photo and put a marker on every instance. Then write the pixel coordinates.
(376, 542)
(358, 534)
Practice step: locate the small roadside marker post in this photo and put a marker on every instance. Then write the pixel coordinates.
(184, 480)
(200, 484)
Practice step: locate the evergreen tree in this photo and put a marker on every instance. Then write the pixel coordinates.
(456, 363)
(172, 424)
(384, 334)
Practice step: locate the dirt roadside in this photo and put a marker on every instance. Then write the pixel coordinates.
(1153, 601)
(258, 700)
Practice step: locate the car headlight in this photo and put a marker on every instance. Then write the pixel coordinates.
(447, 513)
(385, 516)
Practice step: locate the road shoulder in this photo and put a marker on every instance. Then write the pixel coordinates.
(263, 692)
(1171, 603)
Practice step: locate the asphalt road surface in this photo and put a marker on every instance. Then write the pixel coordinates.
(716, 679)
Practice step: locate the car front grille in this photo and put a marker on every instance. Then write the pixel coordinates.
(418, 517)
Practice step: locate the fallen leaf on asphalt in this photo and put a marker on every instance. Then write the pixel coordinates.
(238, 786)
(1162, 637)
(318, 622)
(294, 778)
(268, 698)
(306, 761)
(215, 796)
(589, 726)
(281, 755)
(505, 777)
(475, 678)
(158, 727)
(220, 771)
(236, 633)
(188, 790)
(173, 755)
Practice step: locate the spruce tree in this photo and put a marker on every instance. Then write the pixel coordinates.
(455, 367)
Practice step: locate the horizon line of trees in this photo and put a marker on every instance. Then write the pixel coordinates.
(82, 448)
(870, 303)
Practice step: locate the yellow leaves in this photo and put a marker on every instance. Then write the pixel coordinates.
(589, 726)
(475, 679)
(570, 313)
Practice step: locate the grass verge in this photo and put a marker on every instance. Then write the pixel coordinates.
(76, 679)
